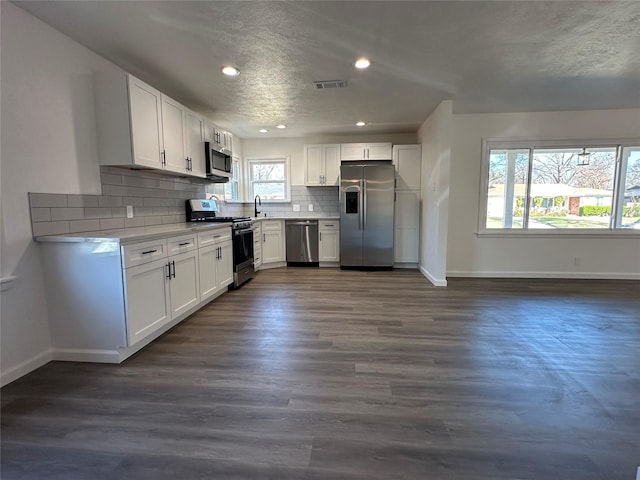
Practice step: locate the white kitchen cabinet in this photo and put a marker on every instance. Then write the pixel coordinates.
(147, 299)
(407, 160)
(273, 246)
(365, 151)
(257, 245)
(219, 137)
(108, 300)
(322, 165)
(139, 126)
(215, 262)
(194, 143)
(328, 242)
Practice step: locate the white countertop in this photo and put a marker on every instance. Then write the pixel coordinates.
(302, 217)
(133, 235)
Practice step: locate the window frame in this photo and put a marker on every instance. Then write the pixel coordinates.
(250, 161)
(528, 144)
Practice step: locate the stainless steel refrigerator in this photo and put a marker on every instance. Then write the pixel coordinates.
(366, 214)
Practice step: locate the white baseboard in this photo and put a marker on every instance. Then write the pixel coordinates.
(576, 275)
(436, 282)
(405, 265)
(267, 266)
(82, 355)
(25, 367)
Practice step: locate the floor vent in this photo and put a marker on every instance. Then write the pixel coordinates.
(330, 84)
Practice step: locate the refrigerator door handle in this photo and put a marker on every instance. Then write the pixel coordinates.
(364, 205)
(361, 199)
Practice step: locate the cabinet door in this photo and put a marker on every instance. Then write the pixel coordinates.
(272, 247)
(379, 151)
(407, 226)
(173, 135)
(184, 282)
(147, 303)
(146, 128)
(353, 151)
(195, 143)
(331, 154)
(329, 246)
(407, 160)
(225, 264)
(314, 165)
(208, 272)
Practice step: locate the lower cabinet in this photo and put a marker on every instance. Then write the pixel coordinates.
(216, 268)
(273, 246)
(328, 241)
(257, 245)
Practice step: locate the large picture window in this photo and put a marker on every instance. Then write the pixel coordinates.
(269, 178)
(595, 187)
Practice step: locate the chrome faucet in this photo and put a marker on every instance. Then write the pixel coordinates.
(256, 201)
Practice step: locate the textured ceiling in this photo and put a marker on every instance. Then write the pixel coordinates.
(487, 56)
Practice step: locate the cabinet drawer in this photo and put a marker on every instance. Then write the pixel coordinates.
(271, 225)
(329, 225)
(211, 237)
(143, 252)
(182, 244)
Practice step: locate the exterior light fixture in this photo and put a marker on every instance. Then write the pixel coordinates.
(230, 71)
(583, 157)
(362, 62)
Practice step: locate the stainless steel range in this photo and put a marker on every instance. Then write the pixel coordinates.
(242, 228)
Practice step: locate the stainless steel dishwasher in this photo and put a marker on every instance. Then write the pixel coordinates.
(302, 242)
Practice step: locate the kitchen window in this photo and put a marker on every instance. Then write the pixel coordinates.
(548, 188)
(269, 178)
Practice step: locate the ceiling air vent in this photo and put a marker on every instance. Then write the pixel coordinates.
(330, 84)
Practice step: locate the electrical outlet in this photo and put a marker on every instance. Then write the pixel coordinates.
(129, 211)
(296, 207)
(311, 207)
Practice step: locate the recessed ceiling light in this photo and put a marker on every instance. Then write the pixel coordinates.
(231, 71)
(281, 126)
(360, 124)
(362, 63)
(263, 130)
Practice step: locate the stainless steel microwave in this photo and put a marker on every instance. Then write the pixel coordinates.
(216, 160)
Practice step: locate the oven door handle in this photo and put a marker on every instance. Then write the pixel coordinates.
(243, 231)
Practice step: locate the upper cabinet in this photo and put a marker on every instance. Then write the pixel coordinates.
(321, 165)
(365, 151)
(221, 139)
(407, 160)
(139, 126)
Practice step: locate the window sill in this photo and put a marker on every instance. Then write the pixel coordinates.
(564, 233)
(250, 202)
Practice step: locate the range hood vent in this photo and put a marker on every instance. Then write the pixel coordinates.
(322, 84)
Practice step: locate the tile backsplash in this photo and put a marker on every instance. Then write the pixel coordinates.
(156, 199)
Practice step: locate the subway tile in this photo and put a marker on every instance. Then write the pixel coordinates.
(160, 210)
(140, 182)
(40, 214)
(152, 220)
(110, 201)
(100, 212)
(158, 202)
(110, 179)
(106, 189)
(47, 200)
(76, 226)
(118, 212)
(143, 211)
(67, 214)
(50, 228)
(82, 200)
(168, 219)
(134, 222)
(134, 201)
(111, 223)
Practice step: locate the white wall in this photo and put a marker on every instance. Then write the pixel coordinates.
(435, 137)
(470, 255)
(292, 147)
(48, 145)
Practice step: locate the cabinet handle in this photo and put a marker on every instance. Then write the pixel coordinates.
(164, 158)
(149, 251)
(168, 270)
(329, 225)
(364, 153)
(220, 249)
(183, 244)
(190, 164)
(264, 238)
(320, 236)
(173, 262)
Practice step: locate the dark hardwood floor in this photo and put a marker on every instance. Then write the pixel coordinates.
(329, 374)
